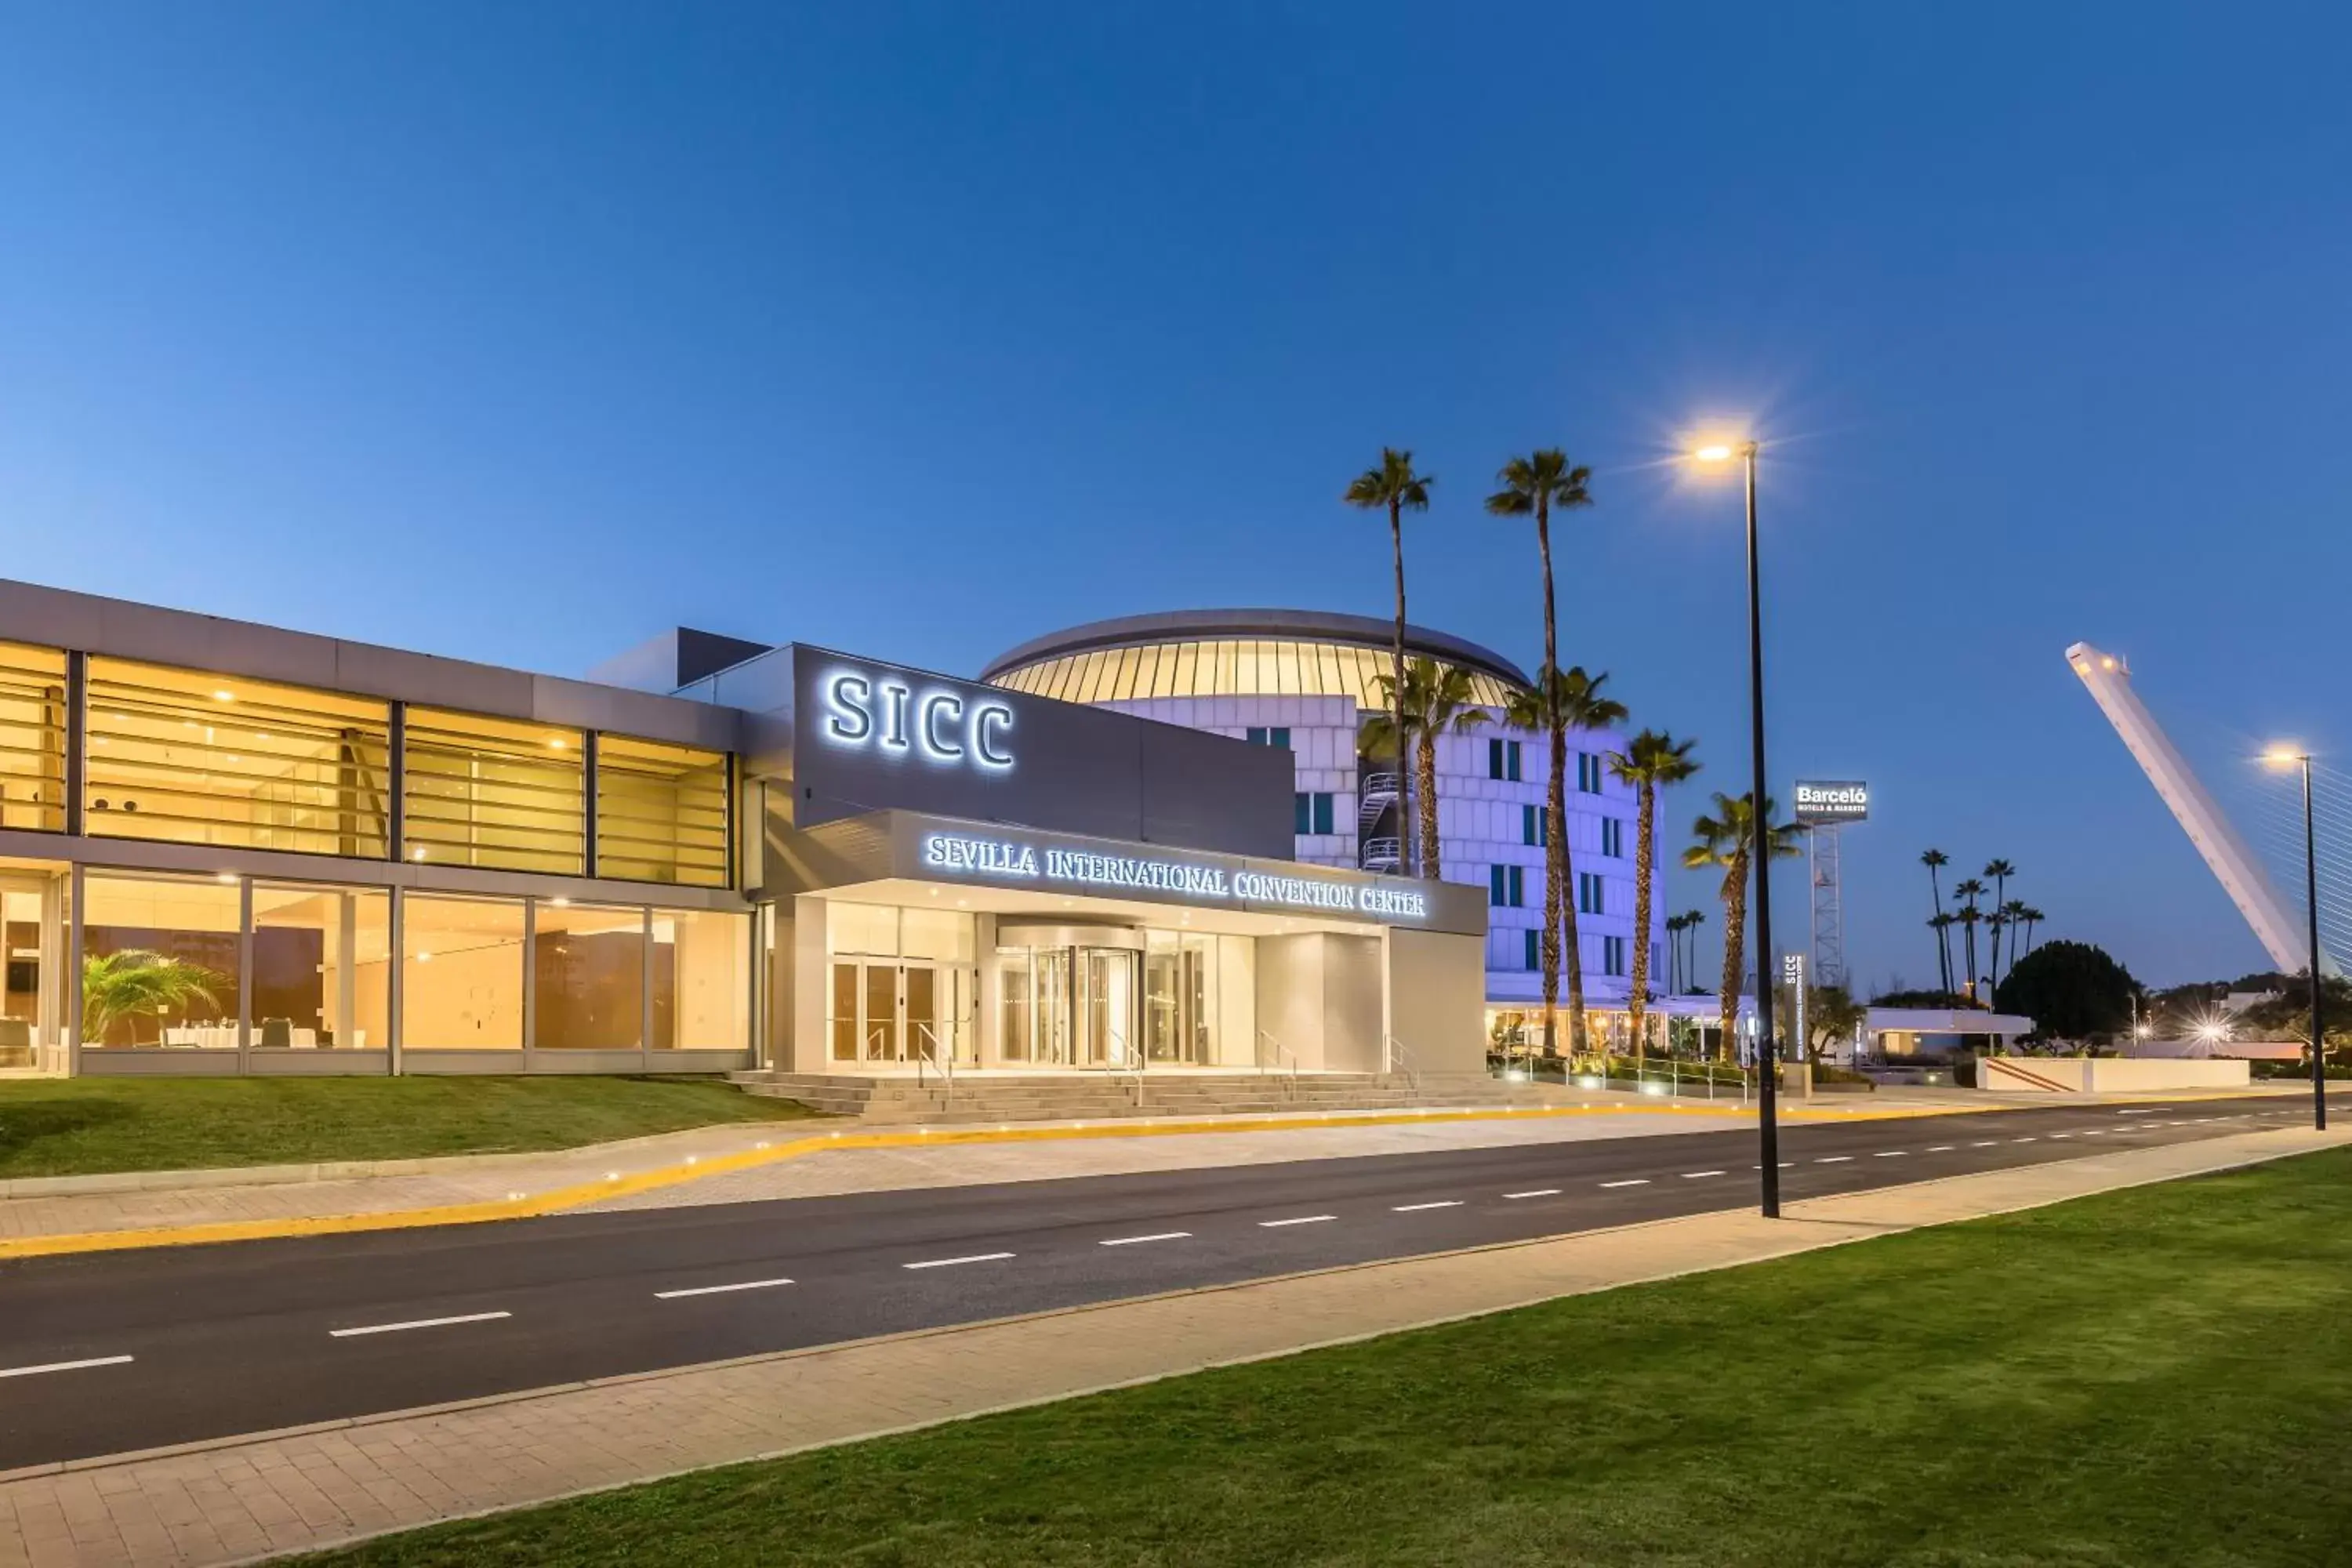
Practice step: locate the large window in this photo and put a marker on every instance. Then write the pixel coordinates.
(588, 969)
(321, 968)
(193, 758)
(661, 812)
(159, 962)
(461, 974)
(32, 738)
(701, 992)
(496, 792)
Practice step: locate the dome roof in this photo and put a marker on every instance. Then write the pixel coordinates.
(1238, 653)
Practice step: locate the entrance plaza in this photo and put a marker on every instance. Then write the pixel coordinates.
(230, 848)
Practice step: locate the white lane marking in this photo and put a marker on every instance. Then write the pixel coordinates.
(1139, 1240)
(1629, 1182)
(1416, 1208)
(1694, 1175)
(2062, 1135)
(1302, 1219)
(2025, 1140)
(1537, 1193)
(720, 1290)
(1833, 1159)
(1890, 1153)
(1985, 1143)
(1940, 1148)
(2135, 1113)
(416, 1324)
(951, 1262)
(62, 1366)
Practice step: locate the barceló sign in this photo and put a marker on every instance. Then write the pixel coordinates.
(879, 712)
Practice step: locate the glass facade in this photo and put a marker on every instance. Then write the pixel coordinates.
(32, 738)
(461, 974)
(1225, 667)
(701, 979)
(588, 972)
(160, 957)
(661, 812)
(321, 968)
(496, 792)
(192, 758)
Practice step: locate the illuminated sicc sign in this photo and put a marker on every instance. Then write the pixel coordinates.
(881, 713)
(959, 855)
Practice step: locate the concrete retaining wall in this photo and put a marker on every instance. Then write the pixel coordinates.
(2103, 1074)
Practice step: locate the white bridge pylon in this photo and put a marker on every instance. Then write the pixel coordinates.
(2108, 680)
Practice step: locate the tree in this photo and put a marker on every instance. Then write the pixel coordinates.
(1394, 485)
(1436, 701)
(1692, 921)
(1970, 916)
(1934, 861)
(1650, 761)
(2287, 1015)
(2000, 871)
(1943, 922)
(2071, 991)
(2032, 917)
(1675, 926)
(1574, 698)
(2013, 919)
(1830, 1014)
(1727, 839)
(134, 984)
(1532, 486)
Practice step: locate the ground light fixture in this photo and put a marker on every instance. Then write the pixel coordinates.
(1766, 1056)
(2295, 756)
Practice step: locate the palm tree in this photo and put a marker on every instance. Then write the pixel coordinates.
(1531, 487)
(134, 983)
(1437, 701)
(1394, 485)
(2000, 871)
(1574, 698)
(1934, 861)
(1650, 761)
(1942, 925)
(2013, 917)
(2032, 917)
(1727, 839)
(1675, 926)
(1970, 916)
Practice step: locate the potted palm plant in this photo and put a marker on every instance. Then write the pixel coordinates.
(123, 987)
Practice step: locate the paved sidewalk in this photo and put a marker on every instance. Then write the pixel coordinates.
(246, 1498)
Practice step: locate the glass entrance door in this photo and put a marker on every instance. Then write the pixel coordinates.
(1107, 994)
(880, 1011)
(1179, 999)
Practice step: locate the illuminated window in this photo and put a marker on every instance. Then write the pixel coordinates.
(321, 968)
(193, 758)
(159, 962)
(460, 973)
(661, 812)
(493, 791)
(588, 972)
(702, 997)
(32, 738)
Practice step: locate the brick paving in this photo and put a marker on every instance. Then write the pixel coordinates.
(245, 1498)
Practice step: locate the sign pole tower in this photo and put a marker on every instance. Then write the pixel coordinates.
(1823, 808)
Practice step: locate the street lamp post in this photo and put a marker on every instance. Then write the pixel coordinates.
(1759, 849)
(2280, 756)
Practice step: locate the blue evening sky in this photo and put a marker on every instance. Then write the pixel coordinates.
(519, 331)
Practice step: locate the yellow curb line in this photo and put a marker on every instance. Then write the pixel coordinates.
(559, 1199)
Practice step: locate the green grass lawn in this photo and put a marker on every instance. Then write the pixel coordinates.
(2161, 1376)
(66, 1127)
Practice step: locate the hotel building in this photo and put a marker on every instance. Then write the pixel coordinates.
(1303, 683)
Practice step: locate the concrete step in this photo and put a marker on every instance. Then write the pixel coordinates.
(891, 1100)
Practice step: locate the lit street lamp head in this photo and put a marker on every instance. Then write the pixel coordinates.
(2284, 756)
(1723, 451)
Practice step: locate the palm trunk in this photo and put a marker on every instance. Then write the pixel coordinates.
(1568, 924)
(1427, 760)
(1943, 934)
(1396, 694)
(1970, 929)
(1555, 803)
(1734, 955)
(1637, 999)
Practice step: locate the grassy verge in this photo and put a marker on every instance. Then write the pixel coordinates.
(72, 1127)
(2158, 1376)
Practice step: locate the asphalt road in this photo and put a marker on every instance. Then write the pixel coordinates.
(113, 1352)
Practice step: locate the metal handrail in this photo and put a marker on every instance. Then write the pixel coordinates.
(1118, 1062)
(1375, 850)
(930, 1058)
(1284, 1062)
(1402, 1060)
(1379, 784)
